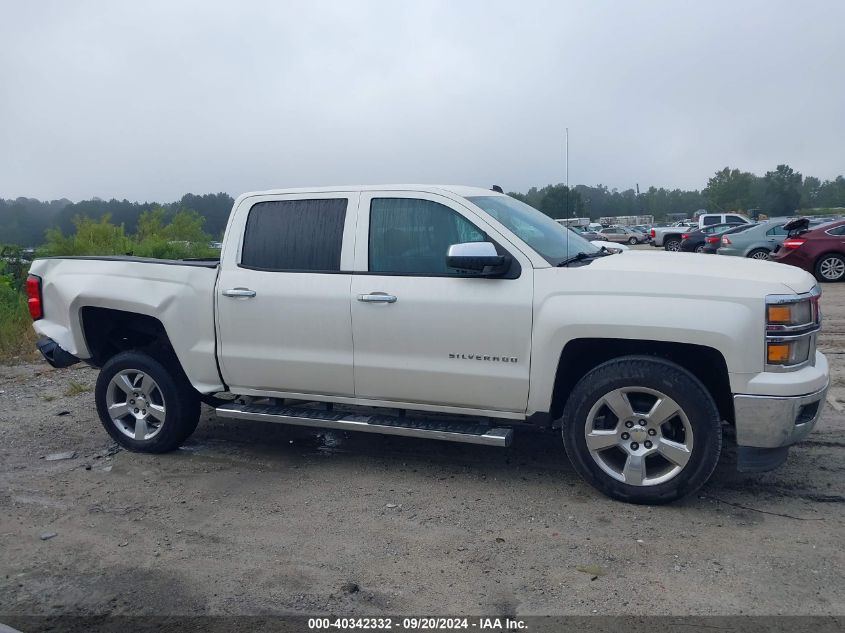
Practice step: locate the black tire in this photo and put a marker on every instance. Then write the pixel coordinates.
(632, 241)
(759, 253)
(672, 244)
(699, 248)
(830, 268)
(669, 379)
(180, 401)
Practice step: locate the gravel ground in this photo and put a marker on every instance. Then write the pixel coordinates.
(255, 518)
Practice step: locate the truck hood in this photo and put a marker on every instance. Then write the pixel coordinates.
(695, 269)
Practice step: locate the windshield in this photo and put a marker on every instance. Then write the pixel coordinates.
(553, 241)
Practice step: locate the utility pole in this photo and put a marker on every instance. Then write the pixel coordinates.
(567, 172)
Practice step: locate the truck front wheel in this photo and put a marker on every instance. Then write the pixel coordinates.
(642, 430)
(144, 405)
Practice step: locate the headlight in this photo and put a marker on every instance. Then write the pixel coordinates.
(791, 325)
(791, 314)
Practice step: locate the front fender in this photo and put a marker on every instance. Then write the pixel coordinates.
(730, 326)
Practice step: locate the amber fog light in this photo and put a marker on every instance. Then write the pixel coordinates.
(791, 352)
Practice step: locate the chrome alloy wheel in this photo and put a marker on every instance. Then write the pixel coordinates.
(760, 255)
(832, 268)
(135, 404)
(639, 436)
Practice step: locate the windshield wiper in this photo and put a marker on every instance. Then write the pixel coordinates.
(581, 255)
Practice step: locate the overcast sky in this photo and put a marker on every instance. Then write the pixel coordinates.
(149, 100)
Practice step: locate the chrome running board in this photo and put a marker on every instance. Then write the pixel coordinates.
(470, 432)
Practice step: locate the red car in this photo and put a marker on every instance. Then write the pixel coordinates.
(820, 251)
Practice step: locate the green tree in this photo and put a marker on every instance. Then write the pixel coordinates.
(91, 238)
(151, 224)
(783, 191)
(731, 190)
(558, 201)
(181, 238)
(810, 192)
(186, 226)
(832, 193)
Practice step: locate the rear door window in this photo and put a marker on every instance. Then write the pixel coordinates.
(295, 235)
(711, 220)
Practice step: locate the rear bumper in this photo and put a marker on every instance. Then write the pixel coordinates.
(766, 426)
(54, 354)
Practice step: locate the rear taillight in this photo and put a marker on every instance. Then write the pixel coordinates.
(712, 240)
(793, 242)
(726, 241)
(33, 293)
(653, 234)
(685, 236)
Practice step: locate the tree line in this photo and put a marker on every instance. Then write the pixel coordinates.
(782, 191)
(25, 221)
(779, 192)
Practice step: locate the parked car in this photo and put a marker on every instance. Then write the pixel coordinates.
(669, 237)
(695, 241)
(758, 241)
(820, 251)
(713, 242)
(623, 234)
(587, 234)
(645, 229)
(336, 307)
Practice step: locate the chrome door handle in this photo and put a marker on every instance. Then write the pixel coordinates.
(239, 292)
(377, 297)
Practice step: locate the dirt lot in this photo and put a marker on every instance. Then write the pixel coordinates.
(253, 518)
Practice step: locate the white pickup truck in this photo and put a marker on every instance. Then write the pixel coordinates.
(670, 237)
(452, 313)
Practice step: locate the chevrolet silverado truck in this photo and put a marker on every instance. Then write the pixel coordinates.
(452, 313)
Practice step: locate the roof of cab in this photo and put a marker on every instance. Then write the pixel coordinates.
(458, 190)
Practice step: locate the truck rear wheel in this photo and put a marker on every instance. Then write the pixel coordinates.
(145, 405)
(642, 430)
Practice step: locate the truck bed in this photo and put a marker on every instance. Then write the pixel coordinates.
(177, 293)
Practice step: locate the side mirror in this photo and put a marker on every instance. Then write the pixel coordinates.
(477, 257)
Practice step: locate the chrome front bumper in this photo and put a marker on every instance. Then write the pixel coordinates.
(776, 421)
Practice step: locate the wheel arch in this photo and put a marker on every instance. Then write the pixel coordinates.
(581, 355)
(108, 331)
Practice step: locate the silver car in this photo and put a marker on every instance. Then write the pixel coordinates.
(623, 235)
(757, 241)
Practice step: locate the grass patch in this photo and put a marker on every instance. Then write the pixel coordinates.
(17, 338)
(76, 388)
